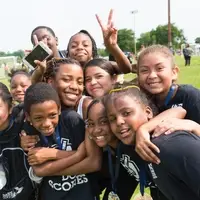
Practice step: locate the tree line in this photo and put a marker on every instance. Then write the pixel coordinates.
(159, 35)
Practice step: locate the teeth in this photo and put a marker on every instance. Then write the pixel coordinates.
(100, 137)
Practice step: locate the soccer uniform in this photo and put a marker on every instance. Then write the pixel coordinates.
(178, 174)
(77, 187)
(13, 160)
(187, 97)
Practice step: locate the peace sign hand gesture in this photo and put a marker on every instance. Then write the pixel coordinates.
(109, 31)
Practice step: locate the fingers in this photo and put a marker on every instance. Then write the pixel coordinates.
(146, 152)
(35, 39)
(28, 141)
(110, 18)
(100, 22)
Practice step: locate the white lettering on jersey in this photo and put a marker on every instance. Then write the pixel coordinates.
(68, 182)
(177, 105)
(153, 173)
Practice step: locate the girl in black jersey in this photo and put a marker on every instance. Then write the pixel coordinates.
(99, 131)
(157, 75)
(177, 175)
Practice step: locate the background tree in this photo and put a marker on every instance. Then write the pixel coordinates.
(159, 35)
(197, 40)
(126, 39)
(102, 52)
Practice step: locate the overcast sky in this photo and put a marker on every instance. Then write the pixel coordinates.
(65, 17)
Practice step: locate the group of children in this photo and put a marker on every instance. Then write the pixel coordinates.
(78, 131)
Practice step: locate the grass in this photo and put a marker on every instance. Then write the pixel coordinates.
(187, 75)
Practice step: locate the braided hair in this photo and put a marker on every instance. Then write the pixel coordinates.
(54, 64)
(14, 72)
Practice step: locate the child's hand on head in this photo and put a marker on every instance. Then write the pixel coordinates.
(144, 147)
(28, 141)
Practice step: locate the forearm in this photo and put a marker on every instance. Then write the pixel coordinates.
(52, 167)
(37, 76)
(192, 125)
(63, 154)
(178, 112)
(121, 59)
(88, 165)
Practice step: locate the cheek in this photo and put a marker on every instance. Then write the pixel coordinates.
(113, 127)
(4, 113)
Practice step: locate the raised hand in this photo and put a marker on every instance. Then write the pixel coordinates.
(109, 31)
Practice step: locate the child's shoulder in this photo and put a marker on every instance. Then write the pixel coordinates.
(189, 89)
(70, 116)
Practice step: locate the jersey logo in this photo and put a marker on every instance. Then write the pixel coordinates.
(13, 194)
(177, 105)
(66, 145)
(130, 166)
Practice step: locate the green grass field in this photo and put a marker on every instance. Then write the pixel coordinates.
(187, 75)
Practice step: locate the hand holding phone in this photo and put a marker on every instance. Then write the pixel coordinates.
(40, 52)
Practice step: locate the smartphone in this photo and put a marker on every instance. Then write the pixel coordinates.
(40, 52)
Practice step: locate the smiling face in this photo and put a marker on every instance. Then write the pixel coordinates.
(80, 48)
(19, 84)
(69, 83)
(126, 115)
(156, 74)
(44, 117)
(98, 82)
(98, 126)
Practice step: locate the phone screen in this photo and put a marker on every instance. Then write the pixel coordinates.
(37, 54)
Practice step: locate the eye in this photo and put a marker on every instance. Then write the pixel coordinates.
(99, 76)
(13, 86)
(53, 115)
(143, 70)
(126, 113)
(103, 122)
(112, 119)
(88, 80)
(80, 82)
(67, 80)
(160, 68)
(37, 119)
(90, 124)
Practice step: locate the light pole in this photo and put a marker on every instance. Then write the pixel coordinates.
(169, 25)
(134, 12)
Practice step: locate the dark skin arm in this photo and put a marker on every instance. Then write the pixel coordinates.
(144, 146)
(51, 167)
(110, 40)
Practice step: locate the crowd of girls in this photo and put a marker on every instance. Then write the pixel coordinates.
(70, 130)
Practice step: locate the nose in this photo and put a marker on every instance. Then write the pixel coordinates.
(47, 123)
(152, 74)
(93, 81)
(73, 85)
(80, 47)
(120, 121)
(18, 88)
(96, 130)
